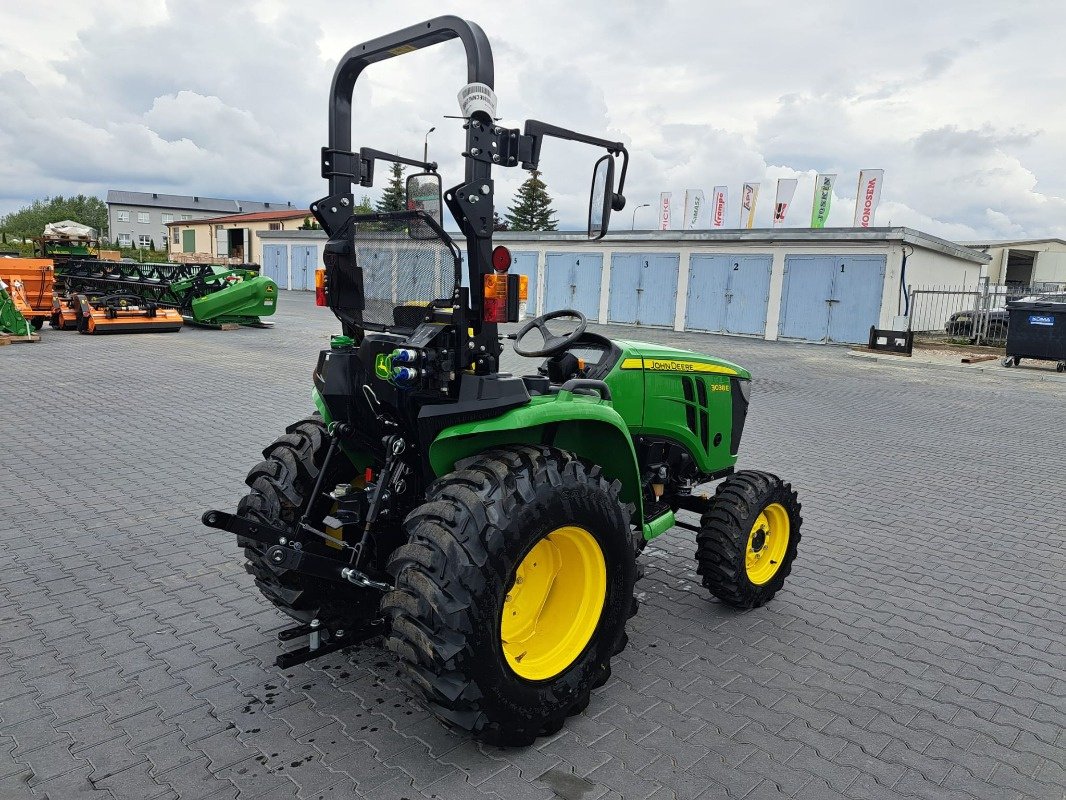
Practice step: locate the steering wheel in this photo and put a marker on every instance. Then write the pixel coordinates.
(552, 343)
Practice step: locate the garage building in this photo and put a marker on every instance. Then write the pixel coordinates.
(826, 285)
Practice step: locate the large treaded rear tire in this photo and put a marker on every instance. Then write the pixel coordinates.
(722, 543)
(452, 577)
(280, 488)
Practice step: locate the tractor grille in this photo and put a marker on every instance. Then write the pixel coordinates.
(406, 261)
(696, 409)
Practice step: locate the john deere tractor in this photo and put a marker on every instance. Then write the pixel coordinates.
(487, 524)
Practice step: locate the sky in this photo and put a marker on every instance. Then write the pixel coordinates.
(959, 102)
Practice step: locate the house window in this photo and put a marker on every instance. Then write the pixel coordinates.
(175, 237)
(167, 218)
(275, 226)
(122, 216)
(143, 217)
(125, 240)
(186, 216)
(144, 241)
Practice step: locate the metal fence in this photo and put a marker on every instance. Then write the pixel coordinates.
(977, 314)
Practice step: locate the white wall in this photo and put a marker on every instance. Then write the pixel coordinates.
(1050, 266)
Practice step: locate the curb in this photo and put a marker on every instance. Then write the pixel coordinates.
(1016, 373)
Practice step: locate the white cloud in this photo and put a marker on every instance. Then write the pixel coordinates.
(229, 99)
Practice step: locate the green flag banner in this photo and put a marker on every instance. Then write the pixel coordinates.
(823, 198)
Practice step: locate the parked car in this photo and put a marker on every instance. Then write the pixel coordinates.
(962, 323)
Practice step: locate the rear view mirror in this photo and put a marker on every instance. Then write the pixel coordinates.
(601, 198)
(424, 194)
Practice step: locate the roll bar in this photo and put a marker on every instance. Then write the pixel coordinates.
(479, 69)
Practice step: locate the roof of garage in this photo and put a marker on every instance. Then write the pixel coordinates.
(825, 236)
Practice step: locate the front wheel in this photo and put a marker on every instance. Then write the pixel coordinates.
(513, 592)
(748, 538)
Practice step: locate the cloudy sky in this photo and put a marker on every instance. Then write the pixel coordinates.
(959, 102)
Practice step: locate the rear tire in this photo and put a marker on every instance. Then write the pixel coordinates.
(748, 538)
(281, 486)
(455, 615)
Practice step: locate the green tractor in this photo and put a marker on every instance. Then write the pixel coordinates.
(487, 524)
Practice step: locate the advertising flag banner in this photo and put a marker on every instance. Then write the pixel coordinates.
(786, 190)
(868, 196)
(664, 211)
(719, 203)
(694, 203)
(823, 198)
(748, 199)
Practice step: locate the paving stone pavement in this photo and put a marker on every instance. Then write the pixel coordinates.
(918, 650)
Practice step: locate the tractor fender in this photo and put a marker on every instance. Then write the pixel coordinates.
(320, 404)
(589, 428)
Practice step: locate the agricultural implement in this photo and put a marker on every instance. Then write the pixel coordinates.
(116, 313)
(12, 321)
(204, 294)
(487, 524)
(30, 282)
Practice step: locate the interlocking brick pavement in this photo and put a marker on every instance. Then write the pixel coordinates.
(918, 650)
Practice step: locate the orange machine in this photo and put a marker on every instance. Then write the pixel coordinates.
(31, 281)
(120, 314)
(64, 313)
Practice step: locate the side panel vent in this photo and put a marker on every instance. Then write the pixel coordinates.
(690, 400)
(701, 393)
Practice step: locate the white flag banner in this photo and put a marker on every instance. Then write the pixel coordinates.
(694, 203)
(749, 197)
(786, 190)
(664, 211)
(719, 204)
(868, 196)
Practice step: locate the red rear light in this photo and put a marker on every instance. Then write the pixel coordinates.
(320, 287)
(501, 258)
(494, 301)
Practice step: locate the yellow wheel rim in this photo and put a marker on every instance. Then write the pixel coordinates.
(767, 543)
(554, 604)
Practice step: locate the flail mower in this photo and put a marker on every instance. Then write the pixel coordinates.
(485, 524)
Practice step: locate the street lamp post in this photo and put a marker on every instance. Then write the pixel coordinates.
(425, 145)
(633, 224)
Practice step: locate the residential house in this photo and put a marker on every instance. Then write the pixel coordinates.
(230, 237)
(139, 219)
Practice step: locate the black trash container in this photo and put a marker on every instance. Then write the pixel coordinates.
(1036, 330)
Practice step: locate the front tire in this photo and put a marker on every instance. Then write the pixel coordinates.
(513, 592)
(748, 538)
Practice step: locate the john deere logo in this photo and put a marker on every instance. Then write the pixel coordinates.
(383, 366)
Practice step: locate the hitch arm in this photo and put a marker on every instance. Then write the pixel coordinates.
(284, 554)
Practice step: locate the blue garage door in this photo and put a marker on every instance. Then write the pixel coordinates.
(304, 261)
(573, 281)
(276, 264)
(858, 287)
(643, 288)
(728, 293)
(831, 298)
(524, 262)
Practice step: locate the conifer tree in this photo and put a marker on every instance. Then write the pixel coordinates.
(394, 196)
(532, 209)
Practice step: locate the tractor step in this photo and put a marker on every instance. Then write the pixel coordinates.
(322, 642)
